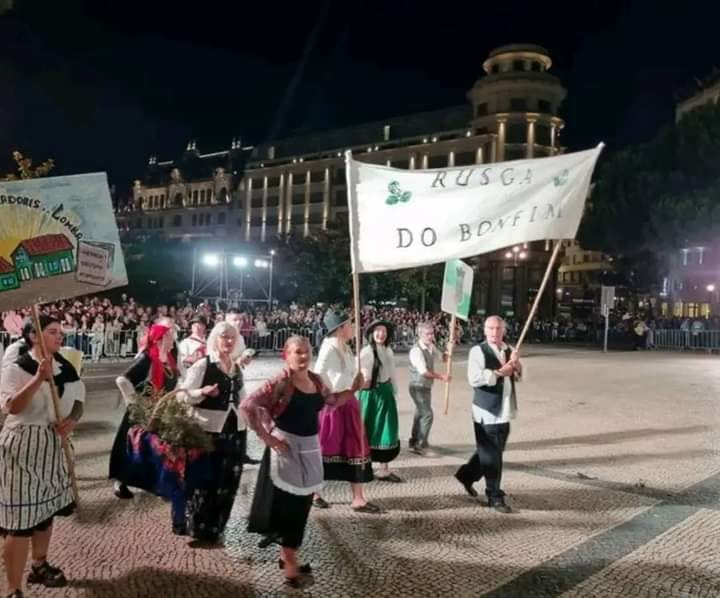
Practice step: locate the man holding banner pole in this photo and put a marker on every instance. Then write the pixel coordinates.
(493, 369)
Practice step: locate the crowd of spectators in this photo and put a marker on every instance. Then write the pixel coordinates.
(101, 327)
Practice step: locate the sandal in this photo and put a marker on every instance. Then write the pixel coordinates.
(368, 507)
(305, 569)
(47, 575)
(391, 477)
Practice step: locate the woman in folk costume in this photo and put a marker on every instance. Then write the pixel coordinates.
(214, 387)
(346, 456)
(284, 413)
(34, 481)
(154, 365)
(377, 399)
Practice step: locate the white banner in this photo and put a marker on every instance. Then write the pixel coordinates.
(405, 218)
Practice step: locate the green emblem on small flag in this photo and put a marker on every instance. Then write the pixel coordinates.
(397, 195)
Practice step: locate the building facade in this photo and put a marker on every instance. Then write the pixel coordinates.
(253, 194)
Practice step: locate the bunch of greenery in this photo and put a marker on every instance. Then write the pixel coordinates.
(167, 416)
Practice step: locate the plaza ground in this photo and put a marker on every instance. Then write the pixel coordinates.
(613, 469)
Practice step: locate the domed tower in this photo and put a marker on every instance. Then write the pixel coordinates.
(518, 101)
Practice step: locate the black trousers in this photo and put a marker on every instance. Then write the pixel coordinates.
(487, 460)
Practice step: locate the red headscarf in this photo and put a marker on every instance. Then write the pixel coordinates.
(157, 367)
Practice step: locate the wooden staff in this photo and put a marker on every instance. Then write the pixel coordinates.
(533, 309)
(448, 369)
(56, 405)
(358, 347)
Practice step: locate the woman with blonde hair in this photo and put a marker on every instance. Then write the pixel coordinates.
(214, 386)
(284, 414)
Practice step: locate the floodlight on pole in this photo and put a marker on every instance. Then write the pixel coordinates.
(710, 288)
(212, 260)
(240, 261)
(261, 263)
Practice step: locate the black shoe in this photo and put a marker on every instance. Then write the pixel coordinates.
(305, 569)
(250, 461)
(16, 594)
(320, 503)
(467, 485)
(122, 491)
(179, 529)
(293, 582)
(267, 540)
(498, 504)
(47, 575)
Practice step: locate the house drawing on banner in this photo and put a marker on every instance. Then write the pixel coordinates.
(44, 256)
(8, 276)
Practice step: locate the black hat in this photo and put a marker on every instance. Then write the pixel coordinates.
(334, 319)
(374, 324)
(199, 320)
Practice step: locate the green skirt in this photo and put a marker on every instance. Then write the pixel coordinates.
(380, 416)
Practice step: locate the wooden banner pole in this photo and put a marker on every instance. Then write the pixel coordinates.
(536, 303)
(358, 348)
(448, 369)
(67, 451)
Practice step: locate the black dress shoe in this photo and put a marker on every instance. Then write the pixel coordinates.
(250, 461)
(498, 504)
(467, 485)
(267, 540)
(122, 491)
(320, 503)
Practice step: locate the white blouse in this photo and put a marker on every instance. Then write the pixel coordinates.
(335, 365)
(387, 365)
(40, 410)
(211, 420)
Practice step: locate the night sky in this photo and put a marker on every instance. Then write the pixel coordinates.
(101, 85)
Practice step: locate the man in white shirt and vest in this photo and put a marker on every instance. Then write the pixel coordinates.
(493, 369)
(194, 347)
(424, 356)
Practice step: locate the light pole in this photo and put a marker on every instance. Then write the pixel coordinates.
(710, 289)
(516, 254)
(270, 289)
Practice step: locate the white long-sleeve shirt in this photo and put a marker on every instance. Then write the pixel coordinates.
(210, 419)
(417, 359)
(479, 375)
(335, 364)
(387, 365)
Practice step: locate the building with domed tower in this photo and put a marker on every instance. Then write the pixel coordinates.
(255, 193)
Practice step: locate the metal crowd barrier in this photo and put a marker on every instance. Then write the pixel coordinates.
(686, 340)
(124, 344)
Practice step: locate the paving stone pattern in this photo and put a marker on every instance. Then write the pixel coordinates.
(612, 469)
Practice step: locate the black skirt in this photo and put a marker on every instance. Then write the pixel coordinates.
(122, 468)
(276, 512)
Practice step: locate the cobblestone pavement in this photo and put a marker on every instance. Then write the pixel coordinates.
(612, 468)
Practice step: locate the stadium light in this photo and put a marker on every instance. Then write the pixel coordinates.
(211, 260)
(261, 263)
(710, 288)
(240, 261)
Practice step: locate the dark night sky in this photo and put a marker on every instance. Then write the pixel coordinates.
(101, 85)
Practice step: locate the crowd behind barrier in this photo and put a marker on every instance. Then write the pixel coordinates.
(102, 329)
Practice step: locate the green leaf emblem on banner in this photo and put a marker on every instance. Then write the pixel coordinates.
(397, 195)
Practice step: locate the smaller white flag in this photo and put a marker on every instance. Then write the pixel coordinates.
(406, 218)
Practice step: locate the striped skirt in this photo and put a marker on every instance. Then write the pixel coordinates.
(34, 482)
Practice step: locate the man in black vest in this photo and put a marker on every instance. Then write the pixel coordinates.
(493, 369)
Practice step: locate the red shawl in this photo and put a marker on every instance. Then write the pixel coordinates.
(157, 367)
